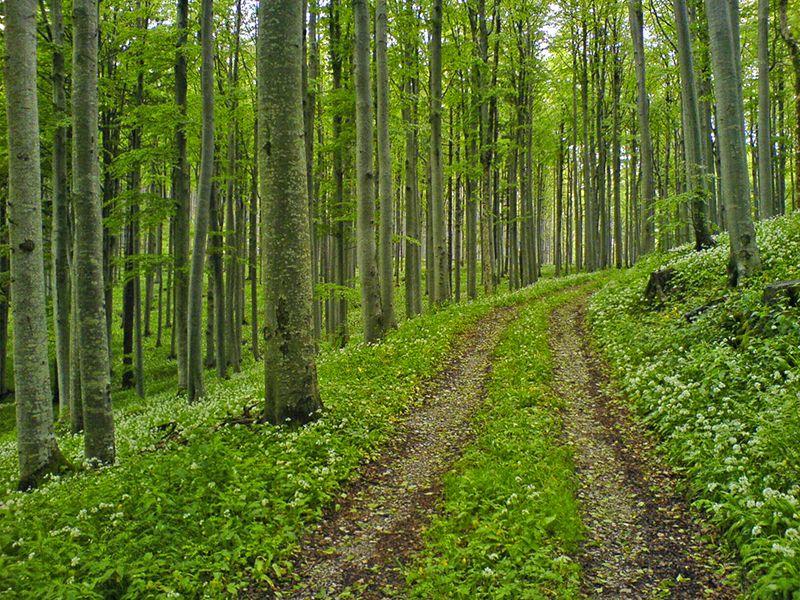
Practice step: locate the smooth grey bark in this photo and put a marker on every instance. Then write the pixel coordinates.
(340, 331)
(643, 114)
(98, 418)
(291, 388)
(232, 316)
(75, 399)
(195, 384)
(588, 190)
(159, 273)
(5, 290)
(559, 200)
(37, 448)
(60, 241)
(374, 325)
(180, 196)
(413, 241)
(692, 133)
(480, 34)
(132, 296)
(513, 237)
(252, 249)
(793, 44)
(149, 282)
(723, 16)
(615, 155)
(384, 166)
(220, 315)
(441, 263)
(310, 123)
(766, 206)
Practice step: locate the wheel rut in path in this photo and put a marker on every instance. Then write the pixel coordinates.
(362, 546)
(641, 539)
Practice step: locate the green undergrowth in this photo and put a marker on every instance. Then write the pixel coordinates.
(197, 507)
(510, 521)
(722, 392)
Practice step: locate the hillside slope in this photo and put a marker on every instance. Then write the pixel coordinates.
(721, 388)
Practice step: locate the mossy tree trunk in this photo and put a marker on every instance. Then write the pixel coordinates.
(723, 27)
(98, 419)
(374, 326)
(36, 443)
(291, 389)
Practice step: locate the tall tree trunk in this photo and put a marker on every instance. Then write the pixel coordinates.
(441, 270)
(75, 398)
(36, 443)
(692, 138)
(220, 314)
(60, 237)
(252, 259)
(615, 152)
(98, 419)
(384, 166)
(132, 374)
(233, 318)
(195, 386)
(766, 207)
(310, 115)
(291, 377)
(723, 18)
(5, 290)
(180, 195)
(513, 201)
(559, 199)
(588, 192)
(480, 34)
(643, 112)
(160, 280)
(794, 52)
(413, 240)
(340, 266)
(374, 325)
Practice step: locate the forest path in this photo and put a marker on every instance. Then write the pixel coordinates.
(641, 539)
(360, 549)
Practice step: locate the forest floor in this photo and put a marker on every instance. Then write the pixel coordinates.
(363, 544)
(641, 540)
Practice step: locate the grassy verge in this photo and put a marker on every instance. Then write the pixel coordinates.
(510, 519)
(722, 392)
(195, 509)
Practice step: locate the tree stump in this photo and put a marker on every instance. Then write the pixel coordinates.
(660, 284)
(774, 292)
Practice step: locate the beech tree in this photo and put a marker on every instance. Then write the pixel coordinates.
(195, 383)
(385, 198)
(37, 448)
(291, 378)
(98, 420)
(723, 26)
(643, 113)
(371, 310)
